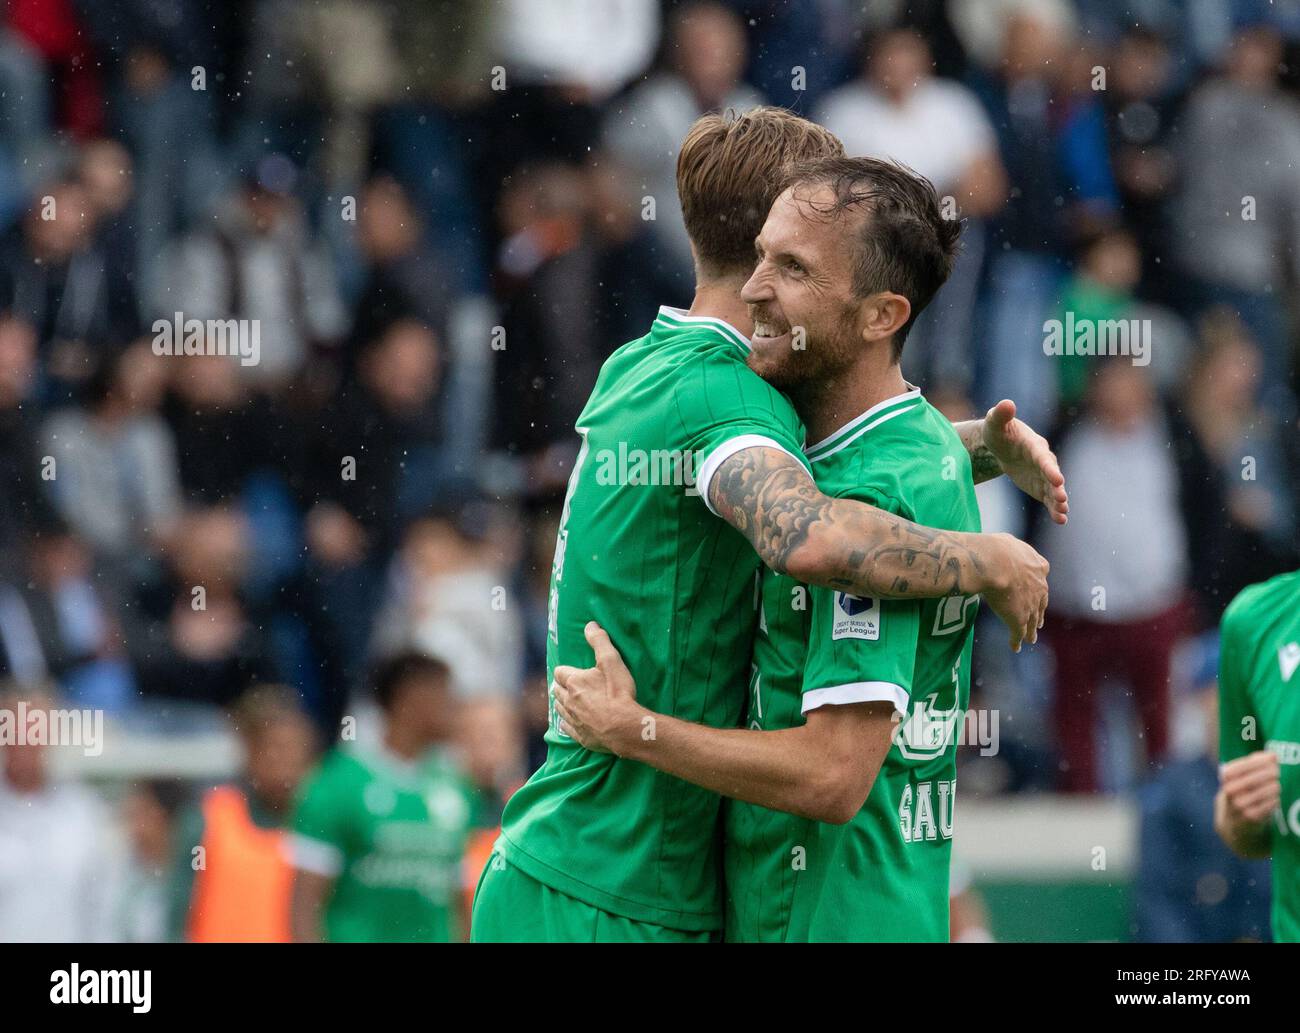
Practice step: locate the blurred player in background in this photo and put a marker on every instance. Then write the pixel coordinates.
(593, 848)
(379, 831)
(840, 828)
(1257, 809)
(232, 874)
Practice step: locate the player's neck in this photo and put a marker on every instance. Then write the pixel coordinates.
(403, 744)
(828, 404)
(720, 299)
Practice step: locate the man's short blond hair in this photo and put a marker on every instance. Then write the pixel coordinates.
(730, 170)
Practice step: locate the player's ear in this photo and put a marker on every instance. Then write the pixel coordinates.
(884, 315)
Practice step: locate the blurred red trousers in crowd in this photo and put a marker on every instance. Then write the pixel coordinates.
(1136, 651)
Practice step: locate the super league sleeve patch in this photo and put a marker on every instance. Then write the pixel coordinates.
(853, 617)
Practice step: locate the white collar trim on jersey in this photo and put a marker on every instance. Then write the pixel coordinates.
(912, 393)
(680, 315)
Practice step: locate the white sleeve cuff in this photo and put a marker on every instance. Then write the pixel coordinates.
(311, 855)
(725, 451)
(857, 692)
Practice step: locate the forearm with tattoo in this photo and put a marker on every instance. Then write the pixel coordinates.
(984, 464)
(838, 543)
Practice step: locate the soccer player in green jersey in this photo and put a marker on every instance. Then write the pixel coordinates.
(380, 830)
(1257, 809)
(842, 821)
(595, 848)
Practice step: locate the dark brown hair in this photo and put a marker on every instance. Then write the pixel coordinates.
(904, 245)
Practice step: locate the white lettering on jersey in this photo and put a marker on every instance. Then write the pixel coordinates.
(1288, 658)
(916, 811)
(923, 826)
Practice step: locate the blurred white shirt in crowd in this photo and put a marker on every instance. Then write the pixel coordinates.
(451, 616)
(60, 862)
(1125, 533)
(600, 44)
(938, 130)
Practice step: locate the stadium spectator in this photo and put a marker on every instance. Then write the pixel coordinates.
(231, 877)
(193, 636)
(1236, 485)
(447, 596)
(547, 287)
(637, 274)
(23, 500)
(208, 401)
(59, 622)
(379, 831)
(105, 171)
(1102, 289)
(1119, 569)
(1237, 214)
(372, 463)
(404, 279)
(140, 912)
(114, 478)
(588, 49)
(260, 262)
(56, 277)
(1143, 103)
(57, 31)
(706, 53)
(59, 859)
(24, 102)
(168, 126)
(1052, 142)
(900, 110)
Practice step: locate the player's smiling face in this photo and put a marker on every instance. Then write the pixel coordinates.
(800, 295)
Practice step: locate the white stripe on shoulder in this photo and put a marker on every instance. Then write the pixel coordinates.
(857, 692)
(721, 453)
(860, 431)
(908, 395)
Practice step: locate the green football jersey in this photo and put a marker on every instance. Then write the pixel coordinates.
(762, 848)
(673, 584)
(392, 834)
(1259, 709)
(884, 875)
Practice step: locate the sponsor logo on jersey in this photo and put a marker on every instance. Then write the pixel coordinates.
(1288, 658)
(953, 613)
(1287, 752)
(855, 617)
(927, 732)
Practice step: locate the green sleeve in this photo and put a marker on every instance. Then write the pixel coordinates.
(318, 840)
(724, 407)
(1238, 724)
(861, 650)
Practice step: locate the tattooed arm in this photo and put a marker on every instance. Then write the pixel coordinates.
(984, 465)
(1000, 444)
(769, 497)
